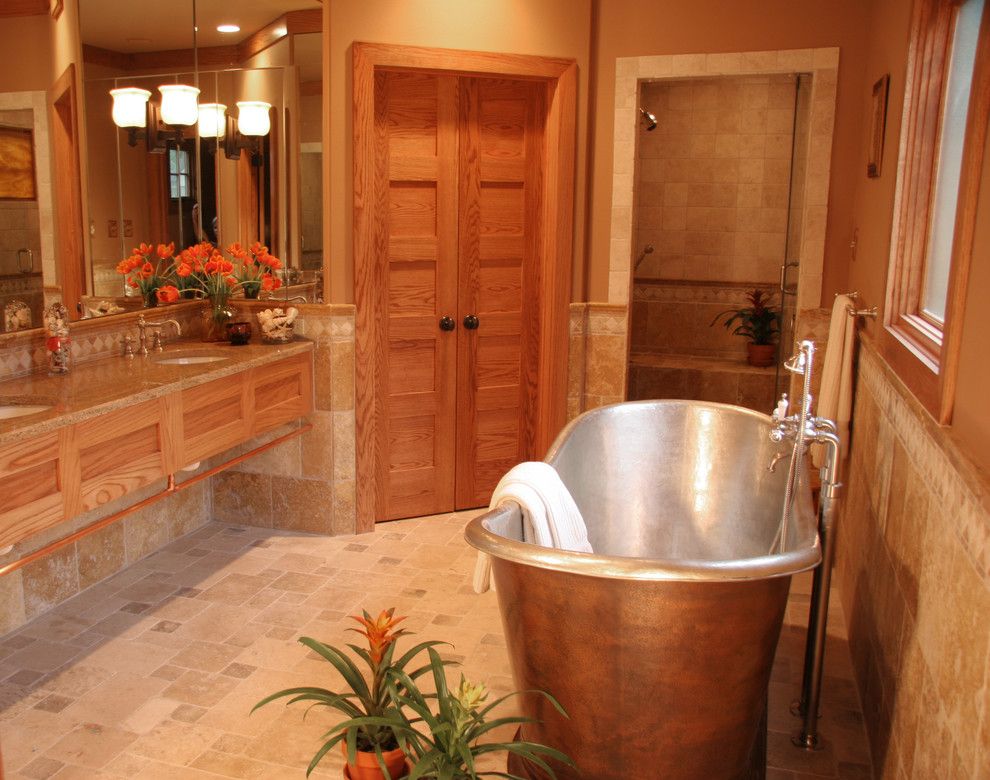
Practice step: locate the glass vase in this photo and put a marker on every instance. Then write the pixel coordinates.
(150, 298)
(251, 290)
(215, 319)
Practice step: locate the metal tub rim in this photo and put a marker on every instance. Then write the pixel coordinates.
(479, 535)
(484, 540)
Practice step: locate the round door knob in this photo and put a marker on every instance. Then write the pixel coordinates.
(447, 323)
(471, 322)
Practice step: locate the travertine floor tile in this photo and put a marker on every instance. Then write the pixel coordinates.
(153, 673)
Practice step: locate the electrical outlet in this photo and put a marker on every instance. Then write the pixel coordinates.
(112, 229)
(128, 228)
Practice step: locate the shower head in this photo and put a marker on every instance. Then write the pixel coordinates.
(649, 119)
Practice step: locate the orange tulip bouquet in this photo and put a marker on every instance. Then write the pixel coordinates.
(255, 268)
(147, 270)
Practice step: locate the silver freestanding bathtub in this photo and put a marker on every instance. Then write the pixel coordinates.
(660, 644)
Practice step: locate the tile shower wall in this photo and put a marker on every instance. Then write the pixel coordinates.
(712, 189)
(712, 194)
(675, 317)
(914, 567)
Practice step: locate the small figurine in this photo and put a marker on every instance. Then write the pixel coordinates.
(58, 343)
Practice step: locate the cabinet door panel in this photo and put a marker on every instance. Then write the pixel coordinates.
(282, 392)
(215, 417)
(121, 451)
(32, 498)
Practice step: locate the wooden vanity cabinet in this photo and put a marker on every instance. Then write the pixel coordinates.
(229, 411)
(53, 477)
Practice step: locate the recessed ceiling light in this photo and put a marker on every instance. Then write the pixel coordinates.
(228, 28)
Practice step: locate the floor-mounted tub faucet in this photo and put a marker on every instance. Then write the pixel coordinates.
(806, 429)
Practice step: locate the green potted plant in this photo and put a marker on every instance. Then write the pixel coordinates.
(445, 744)
(759, 323)
(370, 744)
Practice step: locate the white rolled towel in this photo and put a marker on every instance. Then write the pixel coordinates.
(550, 516)
(835, 396)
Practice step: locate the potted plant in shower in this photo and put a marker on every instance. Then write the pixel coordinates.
(759, 323)
(370, 745)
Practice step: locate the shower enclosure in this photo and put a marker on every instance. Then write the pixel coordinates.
(716, 213)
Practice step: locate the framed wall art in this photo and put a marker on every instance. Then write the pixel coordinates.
(877, 126)
(16, 164)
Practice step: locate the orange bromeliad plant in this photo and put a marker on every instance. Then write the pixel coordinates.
(365, 695)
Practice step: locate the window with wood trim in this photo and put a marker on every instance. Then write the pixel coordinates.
(943, 129)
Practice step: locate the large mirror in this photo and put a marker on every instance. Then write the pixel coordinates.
(25, 206)
(224, 185)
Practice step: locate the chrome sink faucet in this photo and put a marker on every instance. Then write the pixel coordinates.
(156, 327)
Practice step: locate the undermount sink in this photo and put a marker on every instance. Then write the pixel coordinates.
(10, 411)
(188, 360)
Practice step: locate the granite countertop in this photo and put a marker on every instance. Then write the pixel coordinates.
(107, 384)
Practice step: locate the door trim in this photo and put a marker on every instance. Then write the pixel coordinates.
(560, 78)
(70, 262)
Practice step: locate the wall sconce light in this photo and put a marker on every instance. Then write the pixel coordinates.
(179, 105)
(129, 106)
(212, 120)
(134, 111)
(252, 117)
(253, 123)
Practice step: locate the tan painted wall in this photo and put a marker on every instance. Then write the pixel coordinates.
(632, 28)
(872, 217)
(557, 28)
(971, 420)
(27, 49)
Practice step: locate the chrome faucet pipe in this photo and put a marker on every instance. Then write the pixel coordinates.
(814, 651)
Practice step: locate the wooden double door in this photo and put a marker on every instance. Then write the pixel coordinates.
(457, 199)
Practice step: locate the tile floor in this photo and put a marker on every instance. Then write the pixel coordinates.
(152, 674)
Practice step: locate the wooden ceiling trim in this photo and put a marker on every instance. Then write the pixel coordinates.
(24, 7)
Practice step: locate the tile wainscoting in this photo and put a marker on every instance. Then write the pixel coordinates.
(307, 483)
(597, 359)
(914, 568)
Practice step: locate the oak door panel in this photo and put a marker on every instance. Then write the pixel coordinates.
(500, 160)
(415, 376)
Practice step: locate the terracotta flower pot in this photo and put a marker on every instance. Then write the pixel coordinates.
(760, 355)
(367, 765)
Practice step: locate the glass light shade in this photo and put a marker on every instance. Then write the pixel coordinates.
(129, 106)
(252, 117)
(179, 104)
(212, 120)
